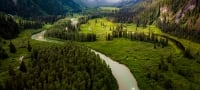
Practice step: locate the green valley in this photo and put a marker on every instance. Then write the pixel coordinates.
(99, 45)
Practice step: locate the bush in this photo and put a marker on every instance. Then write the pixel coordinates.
(3, 54)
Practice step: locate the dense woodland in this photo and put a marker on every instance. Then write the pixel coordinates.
(67, 31)
(27, 8)
(9, 28)
(149, 14)
(185, 29)
(68, 67)
(73, 67)
(72, 36)
(123, 16)
(120, 32)
(46, 19)
(182, 32)
(176, 5)
(12, 25)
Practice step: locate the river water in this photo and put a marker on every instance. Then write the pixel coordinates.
(122, 74)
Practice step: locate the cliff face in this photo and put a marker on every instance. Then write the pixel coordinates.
(182, 12)
(187, 14)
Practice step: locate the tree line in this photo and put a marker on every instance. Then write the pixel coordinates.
(9, 28)
(30, 8)
(67, 31)
(121, 32)
(66, 67)
(179, 31)
(25, 24)
(47, 18)
(70, 35)
(11, 25)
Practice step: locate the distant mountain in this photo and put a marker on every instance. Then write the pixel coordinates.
(129, 3)
(28, 8)
(97, 3)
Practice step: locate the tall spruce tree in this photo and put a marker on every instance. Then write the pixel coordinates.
(12, 47)
(22, 67)
(29, 46)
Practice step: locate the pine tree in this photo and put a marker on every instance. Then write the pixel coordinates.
(29, 47)
(188, 54)
(22, 67)
(12, 47)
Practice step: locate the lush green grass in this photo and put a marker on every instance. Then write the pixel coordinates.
(150, 28)
(93, 27)
(194, 47)
(47, 26)
(109, 8)
(21, 45)
(141, 58)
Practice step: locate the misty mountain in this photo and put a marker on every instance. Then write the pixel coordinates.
(96, 3)
(28, 8)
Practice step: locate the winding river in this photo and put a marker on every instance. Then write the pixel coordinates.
(122, 74)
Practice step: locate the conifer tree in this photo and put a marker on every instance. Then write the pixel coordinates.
(22, 67)
(12, 47)
(29, 47)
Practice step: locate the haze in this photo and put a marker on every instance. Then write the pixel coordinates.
(101, 2)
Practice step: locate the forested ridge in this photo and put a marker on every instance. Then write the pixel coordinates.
(175, 17)
(157, 40)
(12, 25)
(67, 67)
(30, 8)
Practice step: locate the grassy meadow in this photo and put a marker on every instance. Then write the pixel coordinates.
(94, 26)
(109, 8)
(143, 59)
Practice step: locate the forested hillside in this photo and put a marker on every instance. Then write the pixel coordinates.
(27, 8)
(68, 67)
(139, 44)
(175, 17)
(8, 27)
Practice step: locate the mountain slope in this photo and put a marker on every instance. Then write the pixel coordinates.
(175, 17)
(184, 12)
(28, 8)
